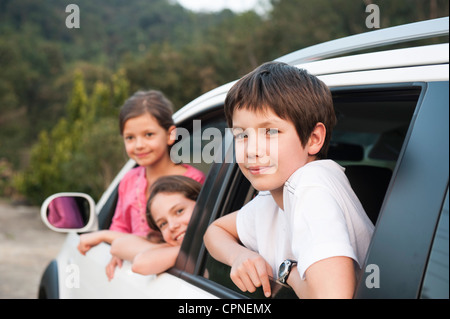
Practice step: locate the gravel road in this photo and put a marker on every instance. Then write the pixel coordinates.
(26, 248)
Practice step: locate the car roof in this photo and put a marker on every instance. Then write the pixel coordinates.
(419, 64)
(408, 57)
(424, 63)
(370, 40)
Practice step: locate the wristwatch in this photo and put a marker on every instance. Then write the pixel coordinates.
(285, 270)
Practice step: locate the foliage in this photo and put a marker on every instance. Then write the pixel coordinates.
(6, 174)
(83, 151)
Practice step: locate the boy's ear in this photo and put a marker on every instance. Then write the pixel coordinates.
(316, 139)
(172, 135)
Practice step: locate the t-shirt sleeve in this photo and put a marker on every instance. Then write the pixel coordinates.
(245, 225)
(319, 228)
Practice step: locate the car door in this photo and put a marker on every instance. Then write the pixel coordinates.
(400, 249)
(376, 126)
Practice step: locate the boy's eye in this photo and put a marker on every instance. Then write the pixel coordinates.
(271, 131)
(239, 134)
(128, 138)
(149, 134)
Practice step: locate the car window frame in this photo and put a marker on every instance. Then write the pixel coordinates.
(435, 283)
(106, 213)
(212, 200)
(401, 261)
(193, 251)
(190, 241)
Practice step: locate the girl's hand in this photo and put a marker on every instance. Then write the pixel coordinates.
(249, 271)
(87, 241)
(111, 267)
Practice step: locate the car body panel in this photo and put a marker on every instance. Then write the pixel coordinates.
(401, 75)
(84, 277)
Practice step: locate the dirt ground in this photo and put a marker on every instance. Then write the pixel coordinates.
(26, 248)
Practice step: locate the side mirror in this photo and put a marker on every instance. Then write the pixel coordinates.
(69, 212)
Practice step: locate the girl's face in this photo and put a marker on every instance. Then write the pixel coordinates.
(145, 140)
(172, 213)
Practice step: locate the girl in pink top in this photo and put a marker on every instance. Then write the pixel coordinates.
(148, 131)
(130, 211)
(169, 210)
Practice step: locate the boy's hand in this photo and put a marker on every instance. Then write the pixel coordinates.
(249, 271)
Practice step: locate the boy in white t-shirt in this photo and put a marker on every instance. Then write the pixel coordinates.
(306, 227)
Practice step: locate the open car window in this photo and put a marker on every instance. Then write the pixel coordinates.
(373, 124)
(199, 139)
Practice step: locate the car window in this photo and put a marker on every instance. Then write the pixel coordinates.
(403, 236)
(373, 123)
(210, 127)
(200, 140)
(218, 272)
(435, 284)
(106, 213)
(238, 196)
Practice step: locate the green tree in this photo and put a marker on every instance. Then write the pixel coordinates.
(77, 107)
(84, 150)
(120, 90)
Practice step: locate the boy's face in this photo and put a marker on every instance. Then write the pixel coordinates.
(268, 149)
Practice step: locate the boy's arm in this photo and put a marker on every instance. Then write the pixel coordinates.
(156, 259)
(330, 278)
(248, 269)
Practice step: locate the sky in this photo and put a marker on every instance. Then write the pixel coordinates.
(218, 5)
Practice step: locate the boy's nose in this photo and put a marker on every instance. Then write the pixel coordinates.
(256, 145)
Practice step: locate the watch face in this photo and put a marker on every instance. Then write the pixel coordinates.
(283, 271)
(284, 268)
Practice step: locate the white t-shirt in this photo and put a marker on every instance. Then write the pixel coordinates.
(322, 218)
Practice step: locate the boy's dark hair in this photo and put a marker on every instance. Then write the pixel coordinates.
(291, 93)
(151, 102)
(186, 186)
